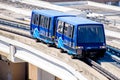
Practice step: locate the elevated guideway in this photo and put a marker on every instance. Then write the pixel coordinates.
(21, 52)
(14, 50)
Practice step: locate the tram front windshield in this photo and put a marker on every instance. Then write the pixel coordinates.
(90, 34)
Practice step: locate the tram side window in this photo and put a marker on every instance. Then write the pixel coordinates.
(65, 29)
(60, 26)
(42, 21)
(39, 19)
(48, 22)
(35, 19)
(68, 31)
(45, 21)
(71, 29)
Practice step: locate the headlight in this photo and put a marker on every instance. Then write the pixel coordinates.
(102, 46)
(53, 36)
(79, 47)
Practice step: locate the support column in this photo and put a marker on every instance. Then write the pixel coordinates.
(19, 71)
(13, 71)
(32, 72)
(36, 73)
(12, 52)
(47, 76)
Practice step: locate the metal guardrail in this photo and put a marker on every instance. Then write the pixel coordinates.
(114, 51)
(39, 59)
(15, 24)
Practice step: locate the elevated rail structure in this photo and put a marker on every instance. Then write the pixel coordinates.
(24, 52)
(23, 26)
(14, 49)
(97, 67)
(18, 51)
